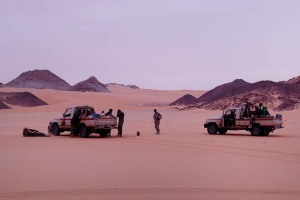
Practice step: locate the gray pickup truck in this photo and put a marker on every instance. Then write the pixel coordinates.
(89, 122)
(258, 126)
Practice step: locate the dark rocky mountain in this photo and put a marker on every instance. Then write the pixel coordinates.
(284, 95)
(25, 99)
(187, 99)
(1, 85)
(223, 91)
(91, 85)
(39, 79)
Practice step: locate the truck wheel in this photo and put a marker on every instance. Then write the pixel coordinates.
(83, 131)
(256, 131)
(212, 129)
(222, 131)
(55, 129)
(104, 133)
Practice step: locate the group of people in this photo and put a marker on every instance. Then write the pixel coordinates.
(87, 112)
(250, 111)
(255, 111)
(78, 114)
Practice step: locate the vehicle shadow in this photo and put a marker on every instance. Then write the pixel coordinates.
(249, 135)
(92, 136)
(245, 135)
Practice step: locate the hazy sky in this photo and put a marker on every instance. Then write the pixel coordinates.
(158, 44)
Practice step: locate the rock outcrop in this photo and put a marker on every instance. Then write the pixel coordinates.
(129, 86)
(283, 95)
(187, 99)
(39, 79)
(25, 99)
(90, 85)
(4, 106)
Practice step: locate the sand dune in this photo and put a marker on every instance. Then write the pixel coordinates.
(184, 162)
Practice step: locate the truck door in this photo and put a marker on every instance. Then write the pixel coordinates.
(238, 119)
(241, 121)
(230, 117)
(67, 116)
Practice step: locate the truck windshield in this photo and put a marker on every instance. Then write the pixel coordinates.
(229, 111)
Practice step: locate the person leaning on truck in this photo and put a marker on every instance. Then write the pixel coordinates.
(109, 114)
(120, 115)
(75, 122)
(232, 118)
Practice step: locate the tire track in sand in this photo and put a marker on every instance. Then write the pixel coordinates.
(144, 191)
(266, 154)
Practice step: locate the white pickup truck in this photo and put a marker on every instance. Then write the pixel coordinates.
(258, 126)
(89, 122)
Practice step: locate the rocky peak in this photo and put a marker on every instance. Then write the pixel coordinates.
(91, 84)
(295, 80)
(39, 79)
(185, 100)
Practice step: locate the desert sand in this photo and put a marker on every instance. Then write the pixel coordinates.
(183, 162)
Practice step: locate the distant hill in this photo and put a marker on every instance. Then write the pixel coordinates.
(25, 99)
(39, 79)
(129, 86)
(283, 95)
(45, 79)
(187, 99)
(91, 85)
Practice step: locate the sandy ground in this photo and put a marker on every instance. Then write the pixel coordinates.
(183, 162)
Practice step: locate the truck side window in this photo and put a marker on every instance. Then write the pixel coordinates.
(67, 113)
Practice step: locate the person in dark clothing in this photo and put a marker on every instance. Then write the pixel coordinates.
(120, 115)
(75, 122)
(157, 117)
(257, 111)
(232, 118)
(246, 112)
(109, 113)
(33, 133)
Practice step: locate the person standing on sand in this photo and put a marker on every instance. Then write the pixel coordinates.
(157, 117)
(120, 115)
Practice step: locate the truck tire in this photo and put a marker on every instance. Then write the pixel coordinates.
(212, 129)
(83, 131)
(55, 129)
(104, 133)
(222, 131)
(256, 130)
